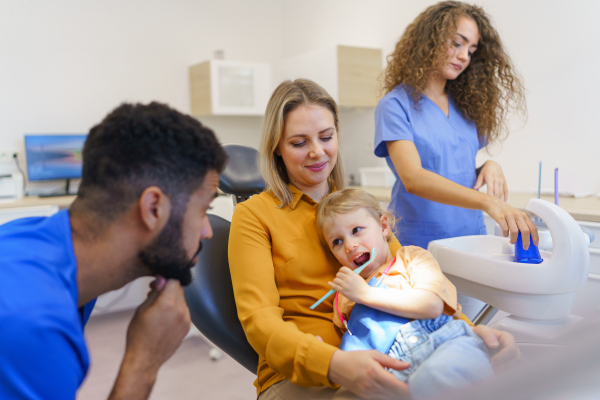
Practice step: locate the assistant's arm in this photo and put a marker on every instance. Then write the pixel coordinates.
(298, 356)
(434, 187)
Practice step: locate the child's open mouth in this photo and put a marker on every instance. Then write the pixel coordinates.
(361, 258)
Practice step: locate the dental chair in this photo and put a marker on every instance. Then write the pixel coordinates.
(537, 297)
(210, 295)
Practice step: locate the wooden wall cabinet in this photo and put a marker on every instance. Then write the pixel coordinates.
(349, 74)
(219, 87)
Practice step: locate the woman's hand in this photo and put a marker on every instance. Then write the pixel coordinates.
(501, 344)
(513, 220)
(363, 373)
(351, 285)
(491, 175)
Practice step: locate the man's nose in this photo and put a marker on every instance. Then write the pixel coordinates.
(206, 231)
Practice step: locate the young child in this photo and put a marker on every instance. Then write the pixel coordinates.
(408, 308)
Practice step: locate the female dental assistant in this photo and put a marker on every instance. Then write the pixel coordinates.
(449, 84)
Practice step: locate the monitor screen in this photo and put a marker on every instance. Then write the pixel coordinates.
(54, 156)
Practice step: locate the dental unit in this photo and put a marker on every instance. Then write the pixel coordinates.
(538, 297)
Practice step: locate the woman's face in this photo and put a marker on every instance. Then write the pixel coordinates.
(461, 48)
(309, 146)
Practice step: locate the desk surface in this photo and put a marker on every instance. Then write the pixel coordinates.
(32, 201)
(582, 209)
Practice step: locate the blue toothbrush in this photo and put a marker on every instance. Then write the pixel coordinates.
(357, 270)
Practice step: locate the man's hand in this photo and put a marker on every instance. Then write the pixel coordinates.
(363, 373)
(502, 346)
(155, 332)
(351, 285)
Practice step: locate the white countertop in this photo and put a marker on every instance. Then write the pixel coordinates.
(581, 209)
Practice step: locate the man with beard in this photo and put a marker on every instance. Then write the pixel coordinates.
(149, 176)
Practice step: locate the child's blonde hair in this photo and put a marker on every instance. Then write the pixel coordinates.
(349, 200)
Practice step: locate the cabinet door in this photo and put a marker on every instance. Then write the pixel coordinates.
(219, 87)
(587, 300)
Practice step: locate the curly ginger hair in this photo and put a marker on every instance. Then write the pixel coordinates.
(488, 88)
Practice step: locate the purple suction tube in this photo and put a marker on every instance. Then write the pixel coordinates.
(556, 186)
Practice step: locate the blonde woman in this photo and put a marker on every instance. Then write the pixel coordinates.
(449, 85)
(279, 267)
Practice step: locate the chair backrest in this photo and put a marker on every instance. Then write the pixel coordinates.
(210, 295)
(241, 178)
(210, 298)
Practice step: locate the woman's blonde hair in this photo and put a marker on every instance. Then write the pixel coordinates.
(485, 92)
(287, 97)
(347, 201)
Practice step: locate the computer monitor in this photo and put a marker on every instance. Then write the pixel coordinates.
(53, 157)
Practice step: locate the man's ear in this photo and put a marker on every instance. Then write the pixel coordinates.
(385, 226)
(155, 208)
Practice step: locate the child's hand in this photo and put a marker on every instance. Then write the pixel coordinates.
(351, 285)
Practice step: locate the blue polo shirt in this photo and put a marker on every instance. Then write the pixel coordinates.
(42, 349)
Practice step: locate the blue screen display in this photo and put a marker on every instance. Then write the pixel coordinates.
(54, 156)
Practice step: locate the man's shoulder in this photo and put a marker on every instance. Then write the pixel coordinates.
(36, 237)
(38, 265)
(53, 229)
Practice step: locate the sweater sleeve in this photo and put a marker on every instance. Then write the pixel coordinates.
(300, 357)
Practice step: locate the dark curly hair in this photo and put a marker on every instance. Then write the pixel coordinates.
(137, 146)
(488, 88)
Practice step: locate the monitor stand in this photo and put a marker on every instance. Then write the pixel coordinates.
(58, 194)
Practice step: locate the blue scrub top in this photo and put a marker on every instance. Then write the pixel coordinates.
(447, 146)
(42, 348)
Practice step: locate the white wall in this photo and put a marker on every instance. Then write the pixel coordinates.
(554, 46)
(64, 64)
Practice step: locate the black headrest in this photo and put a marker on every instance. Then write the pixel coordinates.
(241, 176)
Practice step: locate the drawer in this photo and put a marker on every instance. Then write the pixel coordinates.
(594, 261)
(490, 224)
(587, 299)
(594, 227)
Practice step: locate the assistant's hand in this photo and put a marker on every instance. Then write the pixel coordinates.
(350, 284)
(513, 220)
(363, 373)
(156, 330)
(492, 176)
(501, 344)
